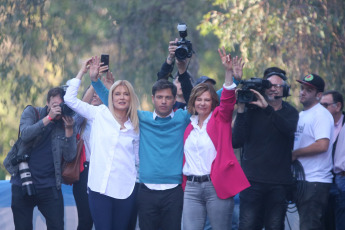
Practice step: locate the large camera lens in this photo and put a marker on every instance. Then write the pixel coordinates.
(181, 52)
(26, 179)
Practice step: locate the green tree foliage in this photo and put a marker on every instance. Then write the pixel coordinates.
(42, 43)
(298, 36)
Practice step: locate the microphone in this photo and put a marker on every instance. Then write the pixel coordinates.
(278, 97)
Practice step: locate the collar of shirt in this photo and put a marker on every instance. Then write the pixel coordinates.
(128, 125)
(340, 122)
(156, 115)
(195, 120)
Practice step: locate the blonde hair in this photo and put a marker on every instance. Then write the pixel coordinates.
(197, 91)
(132, 111)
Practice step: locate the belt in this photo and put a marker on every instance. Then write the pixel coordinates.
(199, 179)
(341, 173)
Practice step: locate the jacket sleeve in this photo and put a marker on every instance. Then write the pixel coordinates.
(239, 130)
(287, 124)
(29, 127)
(186, 85)
(165, 71)
(69, 146)
(101, 90)
(227, 104)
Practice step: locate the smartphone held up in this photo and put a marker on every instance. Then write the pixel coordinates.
(105, 61)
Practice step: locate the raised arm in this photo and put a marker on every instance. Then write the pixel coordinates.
(83, 108)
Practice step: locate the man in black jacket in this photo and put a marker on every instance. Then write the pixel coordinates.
(266, 133)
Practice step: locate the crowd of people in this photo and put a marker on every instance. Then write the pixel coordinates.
(175, 168)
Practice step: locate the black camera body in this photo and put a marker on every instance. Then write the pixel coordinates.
(65, 110)
(184, 47)
(245, 95)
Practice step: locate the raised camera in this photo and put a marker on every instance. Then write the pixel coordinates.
(184, 49)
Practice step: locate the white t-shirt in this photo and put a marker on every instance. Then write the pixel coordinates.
(314, 124)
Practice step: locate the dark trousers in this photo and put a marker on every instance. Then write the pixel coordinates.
(312, 204)
(82, 201)
(335, 214)
(160, 209)
(110, 213)
(263, 205)
(49, 202)
(134, 216)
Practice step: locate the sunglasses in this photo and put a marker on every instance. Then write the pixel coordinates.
(327, 104)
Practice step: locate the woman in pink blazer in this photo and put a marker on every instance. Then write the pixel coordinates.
(211, 171)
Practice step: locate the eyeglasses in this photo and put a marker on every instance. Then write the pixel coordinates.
(277, 86)
(327, 104)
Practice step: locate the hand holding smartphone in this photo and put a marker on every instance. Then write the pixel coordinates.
(105, 61)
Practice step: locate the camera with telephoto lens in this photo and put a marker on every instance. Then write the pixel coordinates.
(245, 95)
(25, 174)
(184, 49)
(65, 110)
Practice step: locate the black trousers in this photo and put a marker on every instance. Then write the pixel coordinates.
(160, 209)
(82, 201)
(49, 202)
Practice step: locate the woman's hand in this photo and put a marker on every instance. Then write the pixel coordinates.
(227, 63)
(84, 68)
(237, 68)
(94, 68)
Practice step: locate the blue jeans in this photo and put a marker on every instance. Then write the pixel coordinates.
(263, 205)
(110, 213)
(201, 199)
(235, 216)
(312, 204)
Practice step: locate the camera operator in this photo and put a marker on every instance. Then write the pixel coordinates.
(266, 134)
(54, 139)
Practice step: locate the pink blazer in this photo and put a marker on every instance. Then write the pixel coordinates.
(227, 175)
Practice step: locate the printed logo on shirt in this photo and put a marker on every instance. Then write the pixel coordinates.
(299, 131)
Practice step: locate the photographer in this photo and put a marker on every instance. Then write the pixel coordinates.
(265, 130)
(55, 140)
(182, 80)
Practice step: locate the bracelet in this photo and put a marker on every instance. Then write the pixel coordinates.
(49, 118)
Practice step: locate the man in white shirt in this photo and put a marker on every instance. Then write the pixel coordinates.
(335, 219)
(313, 149)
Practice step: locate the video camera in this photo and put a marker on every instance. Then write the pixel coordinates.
(245, 95)
(184, 49)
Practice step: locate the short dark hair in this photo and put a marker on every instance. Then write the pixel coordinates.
(275, 71)
(197, 91)
(164, 84)
(55, 92)
(337, 97)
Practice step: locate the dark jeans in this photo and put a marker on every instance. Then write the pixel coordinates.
(263, 205)
(110, 213)
(82, 201)
(48, 200)
(335, 215)
(160, 209)
(312, 204)
(134, 216)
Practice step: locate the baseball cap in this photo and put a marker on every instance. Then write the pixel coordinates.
(314, 81)
(202, 79)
